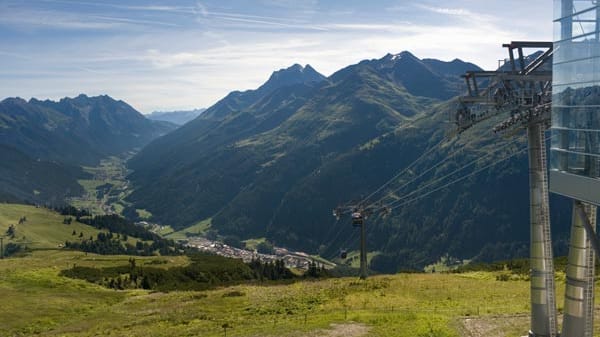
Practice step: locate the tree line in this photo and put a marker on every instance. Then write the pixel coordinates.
(204, 272)
(115, 242)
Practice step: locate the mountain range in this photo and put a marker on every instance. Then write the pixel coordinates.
(45, 143)
(274, 161)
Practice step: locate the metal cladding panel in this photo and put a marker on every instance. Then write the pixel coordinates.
(575, 292)
(579, 293)
(540, 263)
(577, 273)
(537, 247)
(578, 258)
(575, 186)
(540, 310)
(538, 296)
(574, 307)
(537, 235)
(538, 282)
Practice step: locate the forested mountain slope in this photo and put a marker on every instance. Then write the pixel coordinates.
(275, 163)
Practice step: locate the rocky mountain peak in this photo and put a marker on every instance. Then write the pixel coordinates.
(292, 75)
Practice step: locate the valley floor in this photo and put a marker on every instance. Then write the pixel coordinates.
(37, 301)
(107, 187)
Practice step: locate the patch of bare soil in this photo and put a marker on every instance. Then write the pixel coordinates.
(495, 326)
(341, 330)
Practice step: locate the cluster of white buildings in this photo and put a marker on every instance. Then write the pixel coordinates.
(291, 259)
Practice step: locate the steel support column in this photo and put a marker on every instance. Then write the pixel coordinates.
(543, 298)
(579, 294)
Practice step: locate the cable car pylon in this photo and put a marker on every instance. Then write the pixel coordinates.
(524, 93)
(359, 214)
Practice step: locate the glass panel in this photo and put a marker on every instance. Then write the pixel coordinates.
(575, 145)
(581, 71)
(557, 11)
(567, 51)
(575, 19)
(582, 5)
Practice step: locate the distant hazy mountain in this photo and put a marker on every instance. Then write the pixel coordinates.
(79, 130)
(47, 141)
(175, 117)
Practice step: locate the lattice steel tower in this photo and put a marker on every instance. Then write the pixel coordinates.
(575, 155)
(521, 90)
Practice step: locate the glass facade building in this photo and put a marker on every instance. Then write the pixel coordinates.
(575, 149)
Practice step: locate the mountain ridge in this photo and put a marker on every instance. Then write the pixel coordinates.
(75, 130)
(240, 100)
(61, 136)
(335, 140)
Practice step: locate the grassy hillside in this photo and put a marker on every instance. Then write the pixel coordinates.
(36, 300)
(40, 302)
(199, 228)
(43, 229)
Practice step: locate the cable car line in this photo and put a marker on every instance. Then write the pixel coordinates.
(381, 208)
(359, 213)
(488, 154)
(347, 242)
(331, 228)
(404, 170)
(335, 237)
(446, 158)
(461, 178)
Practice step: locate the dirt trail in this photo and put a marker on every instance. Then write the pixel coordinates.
(495, 326)
(340, 330)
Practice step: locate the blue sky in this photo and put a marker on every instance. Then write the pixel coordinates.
(180, 54)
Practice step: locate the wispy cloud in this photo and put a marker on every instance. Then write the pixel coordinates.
(446, 11)
(369, 27)
(188, 53)
(201, 9)
(134, 21)
(306, 5)
(28, 19)
(241, 54)
(200, 12)
(147, 8)
(271, 23)
(16, 56)
(250, 16)
(464, 14)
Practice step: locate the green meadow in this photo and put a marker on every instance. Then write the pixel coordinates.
(42, 229)
(38, 301)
